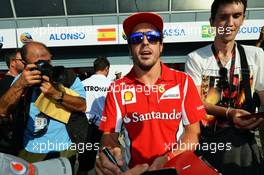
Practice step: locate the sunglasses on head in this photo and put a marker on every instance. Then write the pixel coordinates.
(138, 37)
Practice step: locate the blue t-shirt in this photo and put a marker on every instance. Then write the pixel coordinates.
(56, 138)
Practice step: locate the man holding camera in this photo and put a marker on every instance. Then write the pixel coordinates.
(43, 136)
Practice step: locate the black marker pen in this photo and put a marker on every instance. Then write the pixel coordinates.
(109, 155)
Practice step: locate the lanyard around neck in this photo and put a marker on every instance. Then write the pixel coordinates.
(232, 67)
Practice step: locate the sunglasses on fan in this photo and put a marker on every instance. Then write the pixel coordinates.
(138, 37)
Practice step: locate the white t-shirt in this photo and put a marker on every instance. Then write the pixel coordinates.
(96, 88)
(203, 68)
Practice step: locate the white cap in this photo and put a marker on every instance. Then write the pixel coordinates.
(11, 165)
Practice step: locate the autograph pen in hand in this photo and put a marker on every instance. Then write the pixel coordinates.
(109, 155)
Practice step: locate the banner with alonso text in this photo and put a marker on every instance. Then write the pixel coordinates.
(113, 34)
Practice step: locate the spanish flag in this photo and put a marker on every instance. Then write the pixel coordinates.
(108, 34)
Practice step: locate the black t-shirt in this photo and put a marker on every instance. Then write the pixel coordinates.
(5, 83)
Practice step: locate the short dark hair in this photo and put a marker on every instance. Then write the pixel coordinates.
(24, 49)
(216, 4)
(11, 56)
(101, 63)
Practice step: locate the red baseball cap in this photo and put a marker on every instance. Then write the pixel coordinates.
(142, 17)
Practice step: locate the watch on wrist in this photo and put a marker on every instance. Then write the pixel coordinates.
(59, 99)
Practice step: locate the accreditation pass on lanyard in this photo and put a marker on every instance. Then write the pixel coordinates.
(41, 121)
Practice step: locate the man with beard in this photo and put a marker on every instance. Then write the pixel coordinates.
(151, 103)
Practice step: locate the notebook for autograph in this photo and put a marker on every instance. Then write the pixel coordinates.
(187, 163)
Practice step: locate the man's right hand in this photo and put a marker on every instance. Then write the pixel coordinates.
(29, 76)
(105, 167)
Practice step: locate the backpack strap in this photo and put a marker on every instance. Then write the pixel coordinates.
(245, 80)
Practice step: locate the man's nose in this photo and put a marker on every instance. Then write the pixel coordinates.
(230, 21)
(145, 40)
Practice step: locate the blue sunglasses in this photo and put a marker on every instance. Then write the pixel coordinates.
(138, 37)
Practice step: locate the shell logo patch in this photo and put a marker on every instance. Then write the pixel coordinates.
(128, 96)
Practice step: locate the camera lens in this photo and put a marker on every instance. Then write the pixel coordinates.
(45, 68)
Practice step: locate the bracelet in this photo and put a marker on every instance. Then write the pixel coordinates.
(227, 111)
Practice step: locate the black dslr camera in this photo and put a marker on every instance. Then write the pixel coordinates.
(56, 74)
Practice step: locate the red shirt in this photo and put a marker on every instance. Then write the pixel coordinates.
(151, 114)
